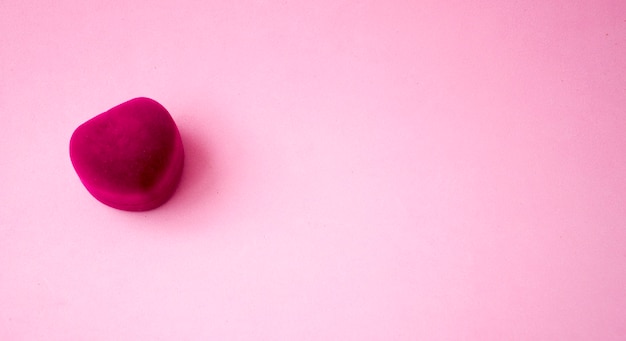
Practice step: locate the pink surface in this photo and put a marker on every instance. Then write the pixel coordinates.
(355, 170)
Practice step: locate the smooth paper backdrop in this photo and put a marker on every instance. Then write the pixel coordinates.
(356, 170)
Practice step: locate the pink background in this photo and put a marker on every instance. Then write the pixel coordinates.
(356, 170)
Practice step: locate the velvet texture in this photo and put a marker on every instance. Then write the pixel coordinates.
(129, 157)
